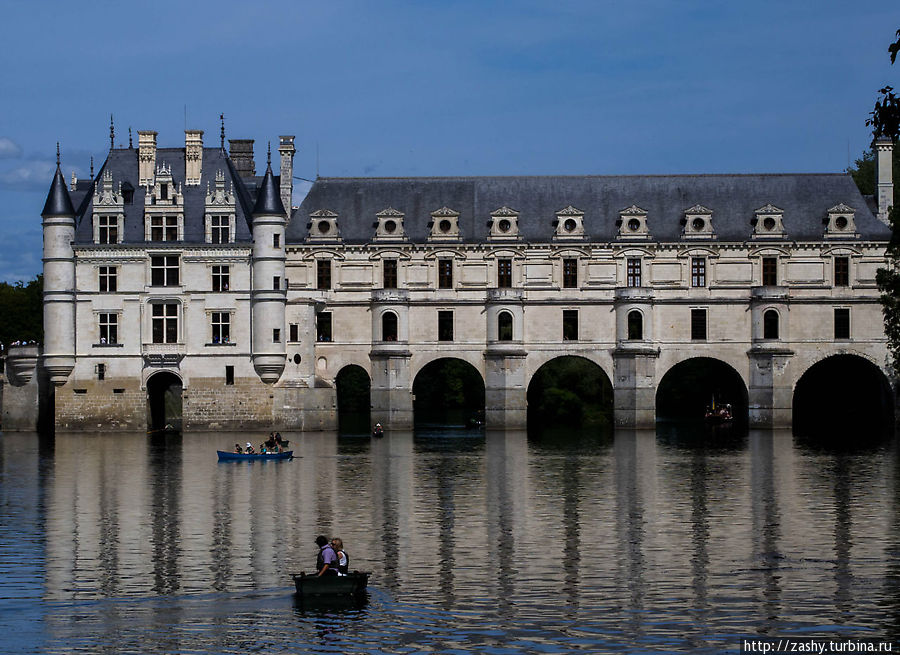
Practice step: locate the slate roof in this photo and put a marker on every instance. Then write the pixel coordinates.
(123, 163)
(59, 203)
(733, 199)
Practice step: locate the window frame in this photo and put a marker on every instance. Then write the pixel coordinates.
(570, 325)
(842, 325)
(220, 327)
(445, 273)
(633, 272)
(108, 328)
(634, 329)
(221, 278)
(107, 229)
(771, 326)
(570, 273)
(165, 269)
(389, 274)
(324, 327)
(504, 273)
(698, 272)
(390, 331)
(445, 331)
(108, 279)
(323, 274)
(164, 326)
(219, 227)
(769, 272)
(505, 331)
(699, 324)
(841, 271)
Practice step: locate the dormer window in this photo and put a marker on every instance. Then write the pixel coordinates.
(163, 191)
(389, 225)
(128, 193)
(841, 223)
(697, 223)
(444, 225)
(220, 212)
(632, 223)
(569, 224)
(504, 224)
(109, 211)
(768, 223)
(323, 226)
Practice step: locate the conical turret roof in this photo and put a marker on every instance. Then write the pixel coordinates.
(58, 201)
(268, 200)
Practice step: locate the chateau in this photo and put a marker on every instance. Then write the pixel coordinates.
(180, 272)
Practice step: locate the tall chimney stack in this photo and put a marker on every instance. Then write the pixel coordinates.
(241, 153)
(146, 156)
(884, 148)
(287, 150)
(193, 157)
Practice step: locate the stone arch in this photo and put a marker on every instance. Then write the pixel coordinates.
(390, 325)
(842, 391)
(771, 324)
(353, 394)
(164, 404)
(504, 325)
(635, 325)
(569, 389)
(448, 391)
(691, 385)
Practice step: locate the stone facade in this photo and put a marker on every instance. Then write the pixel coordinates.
(182, 260)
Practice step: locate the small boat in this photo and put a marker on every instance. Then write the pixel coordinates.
(225, 455)
(331, 585)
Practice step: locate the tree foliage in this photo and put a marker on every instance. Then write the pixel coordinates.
(22, 311)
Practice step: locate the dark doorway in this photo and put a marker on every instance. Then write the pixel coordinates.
(842, 396)
(164, 402)
(448, 393)
(569, 392)
(353, 400)
(698, 384)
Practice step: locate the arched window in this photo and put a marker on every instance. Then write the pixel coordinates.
(770, 324)
(504, 326)
(389, 326)
(635, 325)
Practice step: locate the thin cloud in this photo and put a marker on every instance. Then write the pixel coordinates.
(9, 149)
(32, 175)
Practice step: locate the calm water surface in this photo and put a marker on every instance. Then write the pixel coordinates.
(638, 542)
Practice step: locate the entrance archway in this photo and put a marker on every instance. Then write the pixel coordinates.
(569, 391)
(353, 400)
(841, 393)
(690, 387)
(448, 392)
(164, 402)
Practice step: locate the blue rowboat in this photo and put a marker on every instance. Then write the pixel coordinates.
(227, 456)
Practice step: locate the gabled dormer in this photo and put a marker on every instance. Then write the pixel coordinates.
(323, 226)
(444, 225)
(220, 211)
(840, 223)
(768, 223)
(697, 223)
(632, 224)
(163, 207)
(108, 211)
(569, 225)
(504, 224)
(389, 225)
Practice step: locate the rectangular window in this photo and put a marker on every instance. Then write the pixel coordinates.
(841, 323)
(107, 229)
(276, 240)
(570, 274)
(698, 271)
(219, 229)
(323, 326)
(842, 271)
(101, 371)
(445, 274)
(445, 326)
(165, 322)
(229, 375)
(390, 273)
(504, 273)
(293, 332)
(698, 324)
(221, 327)
(108, 279)
(276, 335)
(164, 228)
(633, 272)
(221, 278)
(769, 271)
(570, 325)
(276, 283)
(323, 274)
(164, 270)
(109, 328)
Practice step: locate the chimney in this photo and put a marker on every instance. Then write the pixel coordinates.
(146, 156)
(193, 157)
(884, 148)
(241, 153)
(287, 150)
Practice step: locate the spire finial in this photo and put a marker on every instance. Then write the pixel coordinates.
(222, 130)
(112, 133)
(92, 167)
(269, 154)
(130, 144)
(57, 154)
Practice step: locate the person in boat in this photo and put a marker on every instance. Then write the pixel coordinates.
(238, 449)
(378, 429)
(343, 564)
(249, 448)
(327, 559)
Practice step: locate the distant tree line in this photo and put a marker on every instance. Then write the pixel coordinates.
(22, 311)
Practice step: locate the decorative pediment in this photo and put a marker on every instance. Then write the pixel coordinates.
(632, 223)
(841, 208)
(218, 196)
(634, 210)
(699, 210)
(570, 211)
(505, 212)
(444, 225)
(504, 224)
(768, 222)
(389, 225)
(697, 223)
(323, 226)
(569, 224)
(444, 212)
(323, 213)
(104, 195)
(841, 223)
(390, 212)
(769, 209)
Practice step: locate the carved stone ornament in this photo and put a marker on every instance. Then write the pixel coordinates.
(323, 226)
(841, 223)
(444, 225)
(389, 225)
(632, 224)
(504, 224)
(697, 223)
(768, 222)
(569, 224)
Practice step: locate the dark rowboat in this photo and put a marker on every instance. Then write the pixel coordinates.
(227, 456)
(331, 585)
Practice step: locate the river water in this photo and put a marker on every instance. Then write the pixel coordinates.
(477, 543)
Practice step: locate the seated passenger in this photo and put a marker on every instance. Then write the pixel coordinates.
(326, 560)
(249, 448)
(343, 564)
(238, 449)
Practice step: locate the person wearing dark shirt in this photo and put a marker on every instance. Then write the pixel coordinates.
(326, 560)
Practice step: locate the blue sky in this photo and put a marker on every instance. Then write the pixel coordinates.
(440, 88)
